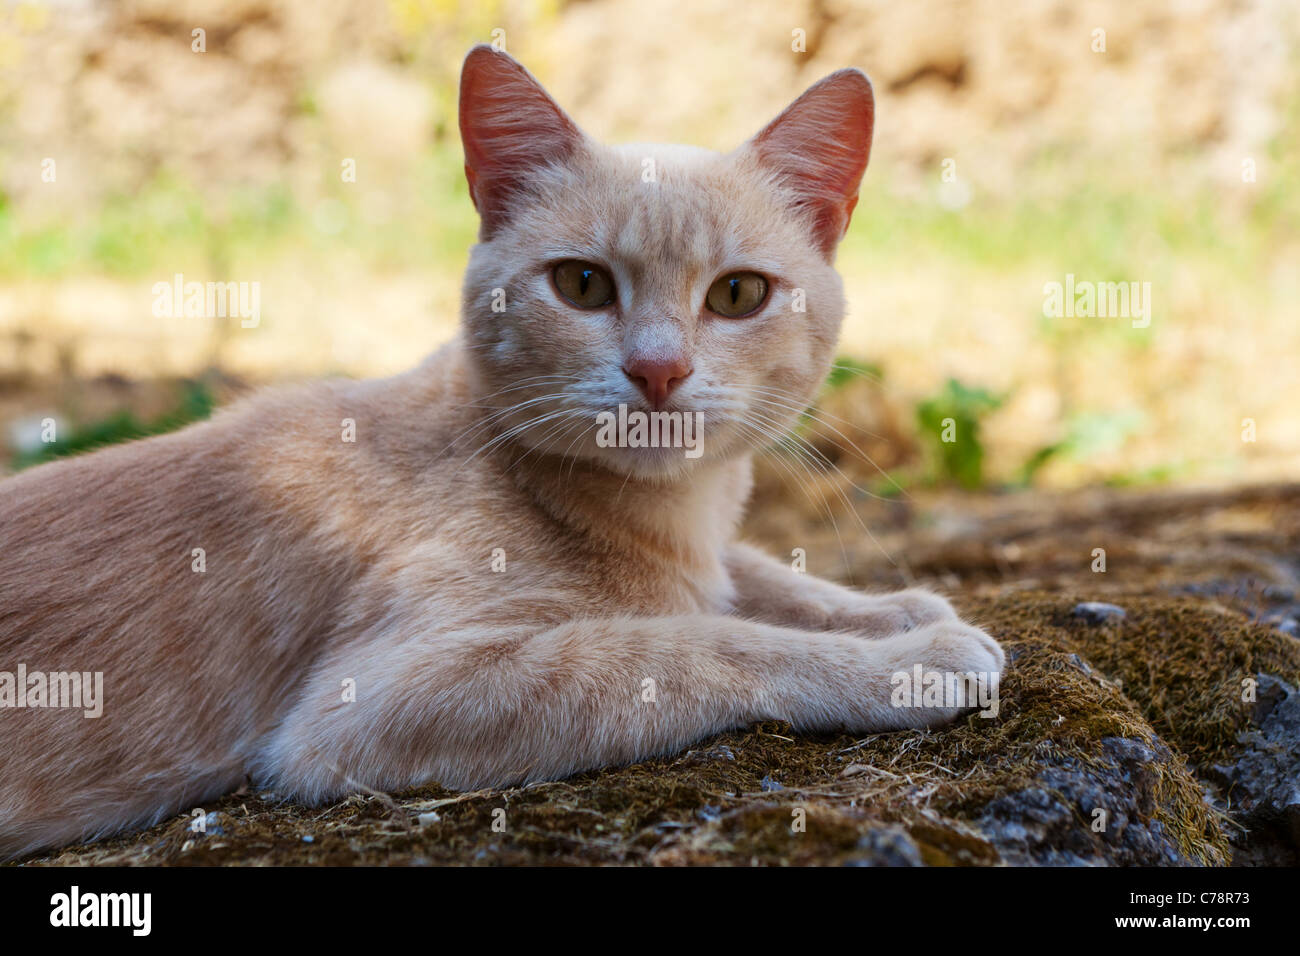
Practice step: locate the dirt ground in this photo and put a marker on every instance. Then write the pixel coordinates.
(1135, 722)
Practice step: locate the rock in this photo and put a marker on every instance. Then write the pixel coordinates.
(1088, 813)
(1097, 612)
(1289, 626)
(1070, 740)
(712, 754)
(211, 825)
(1262, 785)
(886, 846)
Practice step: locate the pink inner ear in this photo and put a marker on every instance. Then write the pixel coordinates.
(820, 146)
(510, 128)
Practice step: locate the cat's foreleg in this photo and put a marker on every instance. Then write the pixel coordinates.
(768, 590)
(490, 709)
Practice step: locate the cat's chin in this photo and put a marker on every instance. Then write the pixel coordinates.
(666, 465)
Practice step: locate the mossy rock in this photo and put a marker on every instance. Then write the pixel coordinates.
(1091, 718)
(1119, 742)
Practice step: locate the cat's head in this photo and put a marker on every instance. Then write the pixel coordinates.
(658, 278)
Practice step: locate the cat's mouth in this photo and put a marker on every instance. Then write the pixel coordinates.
(626, 434)
(652, 434)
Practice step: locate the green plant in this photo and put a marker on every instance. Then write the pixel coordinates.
(847, 368)
(1087, 434)
(952, 420)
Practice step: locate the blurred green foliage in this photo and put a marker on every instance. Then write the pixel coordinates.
(169, 226)
(1087, 434)
(195, 403)
(166, 221)
(951, 420)
(847, 368)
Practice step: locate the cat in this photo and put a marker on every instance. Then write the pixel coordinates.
(444, 576)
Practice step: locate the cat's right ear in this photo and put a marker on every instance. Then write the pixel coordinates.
(510, 128)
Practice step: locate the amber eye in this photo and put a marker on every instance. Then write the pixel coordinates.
(585, 285)
(737, 294)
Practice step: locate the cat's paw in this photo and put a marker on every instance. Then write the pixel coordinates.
(890, 614)
(942, 670)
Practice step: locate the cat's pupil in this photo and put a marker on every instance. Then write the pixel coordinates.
(585, 281)
(735, 290)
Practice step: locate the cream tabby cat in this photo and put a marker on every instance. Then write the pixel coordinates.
(493, 585)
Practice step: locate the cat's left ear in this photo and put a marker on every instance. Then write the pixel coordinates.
(819, 149)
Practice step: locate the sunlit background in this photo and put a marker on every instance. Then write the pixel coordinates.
(1016, 144)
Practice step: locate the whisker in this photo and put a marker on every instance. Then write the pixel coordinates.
(516, 430)
(796, 437)
(807, 459)
(788, 466)
(487, 421)
(816, 415)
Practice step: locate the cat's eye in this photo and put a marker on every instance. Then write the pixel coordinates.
(737, 294)
(585, 285)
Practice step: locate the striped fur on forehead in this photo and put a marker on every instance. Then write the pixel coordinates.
(702, 211)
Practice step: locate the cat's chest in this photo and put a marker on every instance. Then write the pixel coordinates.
(521, 574)
(595, 579)
(659, 568)
(650, 584)
(505, 555)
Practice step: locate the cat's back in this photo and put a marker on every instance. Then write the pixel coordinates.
(262, 510)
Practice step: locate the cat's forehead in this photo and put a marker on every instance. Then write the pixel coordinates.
(680, 158)
(655, 204)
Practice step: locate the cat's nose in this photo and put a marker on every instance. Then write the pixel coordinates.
(658, 376)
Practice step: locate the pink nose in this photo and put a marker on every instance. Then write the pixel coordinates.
(657, 377)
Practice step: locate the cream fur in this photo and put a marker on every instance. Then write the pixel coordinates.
(371, 561)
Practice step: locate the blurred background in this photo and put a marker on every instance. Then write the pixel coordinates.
(1016, 143)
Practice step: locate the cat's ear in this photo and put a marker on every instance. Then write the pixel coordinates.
(510, 128)
(819, 149)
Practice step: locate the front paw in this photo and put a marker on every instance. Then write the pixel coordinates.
(889, 614)
(942, 670)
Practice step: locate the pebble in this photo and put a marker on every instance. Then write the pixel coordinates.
(1098, 612)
